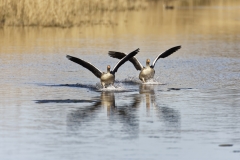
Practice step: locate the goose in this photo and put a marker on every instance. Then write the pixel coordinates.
(147, 72)
(107, 78)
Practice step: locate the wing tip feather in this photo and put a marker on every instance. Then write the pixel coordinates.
(178, 47)
(68, 57)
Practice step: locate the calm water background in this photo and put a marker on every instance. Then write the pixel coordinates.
(51, 108)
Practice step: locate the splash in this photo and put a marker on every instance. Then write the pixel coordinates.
(135, 80)
(115, 87)
(154, 81)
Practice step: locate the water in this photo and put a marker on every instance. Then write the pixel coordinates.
(51, 108)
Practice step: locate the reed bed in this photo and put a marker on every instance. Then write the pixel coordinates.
(69, 13)
(62, 13)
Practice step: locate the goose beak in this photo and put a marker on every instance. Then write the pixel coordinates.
(148, 61)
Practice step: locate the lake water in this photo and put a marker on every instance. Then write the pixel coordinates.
(52, 108)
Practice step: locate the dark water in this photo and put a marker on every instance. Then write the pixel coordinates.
(51, 108)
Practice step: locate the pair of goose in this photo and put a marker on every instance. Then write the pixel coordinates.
(108, 78)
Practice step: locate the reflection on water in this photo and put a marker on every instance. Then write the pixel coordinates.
(148, 90)
(127, 115)
(169, 116)
(87, 114)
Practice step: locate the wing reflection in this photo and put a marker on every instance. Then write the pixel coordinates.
(82, 115)
(170, 116)
(129, 117)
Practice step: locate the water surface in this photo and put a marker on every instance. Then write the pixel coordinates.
(51, 108)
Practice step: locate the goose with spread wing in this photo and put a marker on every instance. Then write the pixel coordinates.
(147, 72)
(105, 78)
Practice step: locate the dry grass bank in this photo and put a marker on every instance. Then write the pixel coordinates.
(62, 13)
(68, 13)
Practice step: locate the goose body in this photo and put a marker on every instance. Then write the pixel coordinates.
(107, 78)
(147, 72)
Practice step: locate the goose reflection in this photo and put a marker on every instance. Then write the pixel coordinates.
(148, 91)
(123, 114)
(87, 114)
(169, 116)
(123, 117)
(108, 101)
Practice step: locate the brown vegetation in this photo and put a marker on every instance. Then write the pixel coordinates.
(68, 13)
(63, 13)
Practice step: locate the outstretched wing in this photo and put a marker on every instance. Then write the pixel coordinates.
(120, 55)
(87, 65)
(123, 60)
(165, 54)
